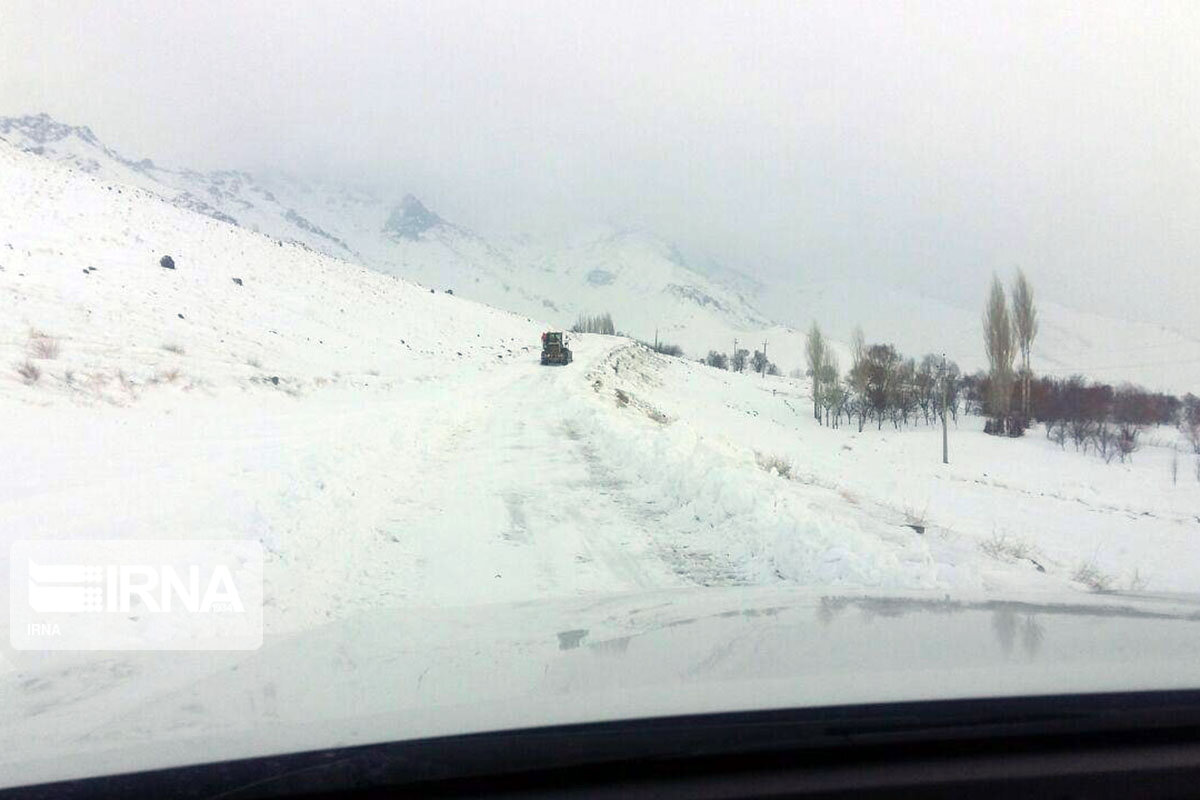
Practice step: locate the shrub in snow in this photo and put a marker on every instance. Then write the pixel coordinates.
(1127, 440)
(1090, 576)
(166, 262)
(29, 372)
(42, 346)
(173, 348)
(669, 349)
(1004, 548)
(718, 360)
(775, 464)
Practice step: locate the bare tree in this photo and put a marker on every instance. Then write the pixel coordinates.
(904, 393)
(952, 385)
(856, 378)
(814, 354)
(1127, 440)
(601, 323)
(1189, 422)
(1057, 432)
(1025, 328)
(928, 386)
(741, 357)
(1104, 440)
(881, 367)
(1001, 350)
(831, 385)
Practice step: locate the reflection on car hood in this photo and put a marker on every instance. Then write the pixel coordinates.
(419, 673)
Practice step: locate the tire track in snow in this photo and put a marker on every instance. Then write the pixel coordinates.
(508, 507)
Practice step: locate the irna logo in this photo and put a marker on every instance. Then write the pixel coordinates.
(117, 594)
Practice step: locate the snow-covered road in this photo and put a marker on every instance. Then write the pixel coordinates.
(507, 501)
(462, 488)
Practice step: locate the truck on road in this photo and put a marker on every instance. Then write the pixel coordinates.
(554, 348)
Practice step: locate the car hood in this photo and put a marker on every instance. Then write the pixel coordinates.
(418, 673)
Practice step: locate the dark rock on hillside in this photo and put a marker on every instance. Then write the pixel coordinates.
(410, 219)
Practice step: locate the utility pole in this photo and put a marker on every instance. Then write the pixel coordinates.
(733, 356)
(945, 400)
(764, 369)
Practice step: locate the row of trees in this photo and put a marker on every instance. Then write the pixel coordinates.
(1007, 333)
(880, 383)
(600, 323)
(664, 348)
(1093, 416)
(1090, 415)
(883, 385)
(603, 323)
(741, 361)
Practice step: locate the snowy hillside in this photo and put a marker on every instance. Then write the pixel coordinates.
(637, 277)
(394, 448)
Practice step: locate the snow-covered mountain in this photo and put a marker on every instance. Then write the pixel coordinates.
(643, 280)
(639, 278)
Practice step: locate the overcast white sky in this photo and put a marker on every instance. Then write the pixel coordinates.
(923, 143)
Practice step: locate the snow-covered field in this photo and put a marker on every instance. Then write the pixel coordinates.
(393, 447)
